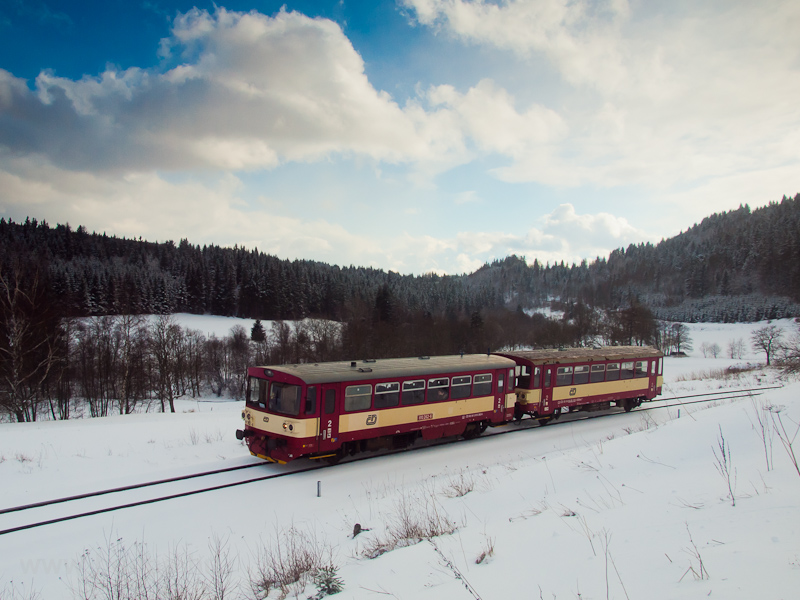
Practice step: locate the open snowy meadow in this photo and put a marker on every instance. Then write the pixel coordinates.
(686, 501)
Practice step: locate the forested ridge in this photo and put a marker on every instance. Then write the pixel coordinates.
(737, 265)
(740, 265)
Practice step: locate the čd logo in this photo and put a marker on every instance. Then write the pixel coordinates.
(372, 419)
(573, 391)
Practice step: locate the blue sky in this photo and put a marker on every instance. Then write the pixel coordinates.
(418, 135)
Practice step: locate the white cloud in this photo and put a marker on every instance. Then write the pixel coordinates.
(655, 96)
(250, 91)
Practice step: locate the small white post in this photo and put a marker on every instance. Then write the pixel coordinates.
(319, 489)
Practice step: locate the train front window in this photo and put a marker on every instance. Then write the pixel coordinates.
(284, 398)
(257, 392)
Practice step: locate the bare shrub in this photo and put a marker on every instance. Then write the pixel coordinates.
(487, 551)
(787, 438)
(460, 485)
(724, 466)
(415, 518)
(221, 567)
(116, 571)
(696, 566)
(764, 428)
(292, 557)
(15, 591)
(730, 374)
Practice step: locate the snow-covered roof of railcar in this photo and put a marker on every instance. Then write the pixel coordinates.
(332, 372)
(585, 354)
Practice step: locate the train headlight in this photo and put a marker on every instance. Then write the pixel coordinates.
(288, 426)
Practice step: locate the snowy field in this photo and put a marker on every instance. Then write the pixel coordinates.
(629, 506)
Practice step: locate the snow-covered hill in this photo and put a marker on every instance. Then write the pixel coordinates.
(629, 506)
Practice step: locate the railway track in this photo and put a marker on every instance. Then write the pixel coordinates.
(517, 427)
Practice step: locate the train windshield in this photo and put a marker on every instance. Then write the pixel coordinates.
(257, 392)
(284, 398)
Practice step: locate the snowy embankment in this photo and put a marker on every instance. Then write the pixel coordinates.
(629, 506)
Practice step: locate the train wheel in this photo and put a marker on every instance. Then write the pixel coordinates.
(544, 421)
(629, 405)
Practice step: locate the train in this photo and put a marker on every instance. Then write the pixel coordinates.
(331, 410)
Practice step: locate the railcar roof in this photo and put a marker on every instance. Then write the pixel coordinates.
(331, 372)
(585, 354)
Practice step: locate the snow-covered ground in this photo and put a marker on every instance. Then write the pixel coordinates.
(626, 506)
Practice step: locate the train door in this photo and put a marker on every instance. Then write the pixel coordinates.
(547, 389)
(500, 396)
(329, 419)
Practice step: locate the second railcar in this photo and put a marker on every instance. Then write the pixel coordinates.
(552, 381)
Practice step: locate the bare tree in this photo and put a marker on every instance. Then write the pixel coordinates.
(166, 347)
(736, 348)
(767, 339)
(29, 333)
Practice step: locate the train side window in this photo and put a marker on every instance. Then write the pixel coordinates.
(547, 377)
(413, 392)
(641, 368)
(387, 394)
(627, 370)
(460, 386)
(500, 383)
(438, 389)
(330, 401)
(581, 375)
(612, 372)
(653, 367)
(660, 366)
(482, 385)
(357, 397)
(511, 380)
(598, 373)
(564, 376)
(537, 376)
(311, 401)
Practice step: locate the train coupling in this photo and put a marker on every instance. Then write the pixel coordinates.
(240, 435)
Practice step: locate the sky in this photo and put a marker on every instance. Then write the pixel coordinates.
(415, 136)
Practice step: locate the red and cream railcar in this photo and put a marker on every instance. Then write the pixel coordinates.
(328, 410)
(549, 381)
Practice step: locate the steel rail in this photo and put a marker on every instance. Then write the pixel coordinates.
(734, 395)
(125, 488)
